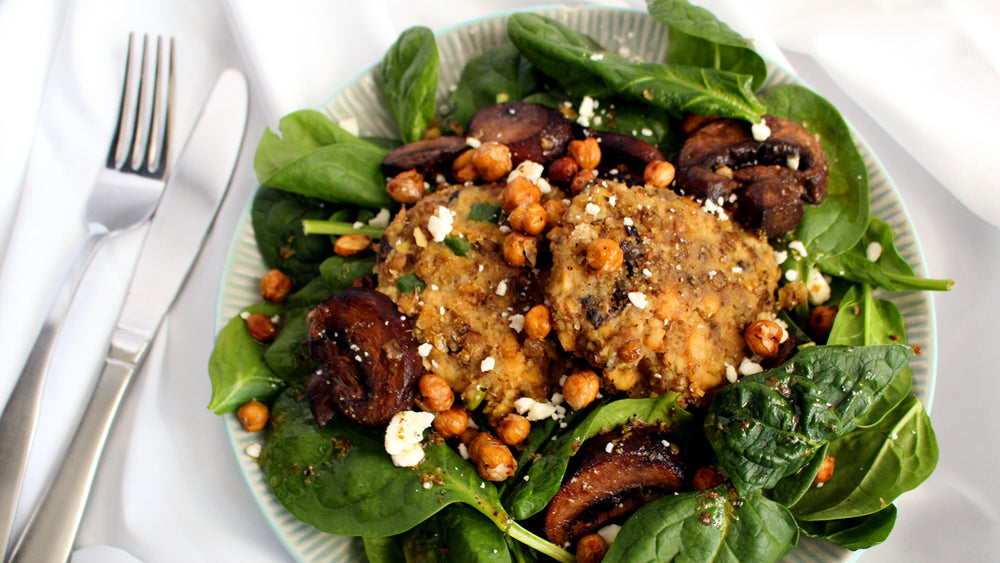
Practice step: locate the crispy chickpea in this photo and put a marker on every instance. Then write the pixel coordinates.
(519, 191)
(253, 416)
(706, 477)
(591, 549)
(580, 180)
(435, 393)
(452, 422)
(513, 429)
(520, 250)
(580, 389)
(586, 152)
(462, 168)
(538, 322)
(554, 211)
(261, 327)
(825, 470)
(530, 219)
(658, 173)
(406, 187)
(493, 459)
(562, 170)
(604, 255)
(764, 338)
(821, 319)
(492, 161)
(349, 245)
(275, 286)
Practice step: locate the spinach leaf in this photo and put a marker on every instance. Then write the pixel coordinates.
(498, 75)
(277, 217)
(236, 366)
(457, 534)
(384, 550)
(875, 465)
(888, 271)
(301, 132)
(288, 355)
(544, 476)
(340, 480)
(855, 533)
(766, 426)
(838, 223)
(713, 525)
(698, 38)
(581, 66)
(408, 79)
(341, 173)
(340, 272)
(789, 490)
(863, 320)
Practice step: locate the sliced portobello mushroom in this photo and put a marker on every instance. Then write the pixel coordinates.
(531, 131)
(429, 156)
(613, 475)
(620, 149)
(368, 358)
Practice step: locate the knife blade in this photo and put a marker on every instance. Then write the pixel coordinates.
(176, 235)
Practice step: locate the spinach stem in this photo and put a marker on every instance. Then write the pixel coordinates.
(921, 284)
(522, 535)
(320, 227)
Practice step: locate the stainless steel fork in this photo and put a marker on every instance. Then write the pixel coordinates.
(125, 195)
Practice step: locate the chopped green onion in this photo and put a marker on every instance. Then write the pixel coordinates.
(458, 245)
(320, 227)
(488, 212)
(410, 283)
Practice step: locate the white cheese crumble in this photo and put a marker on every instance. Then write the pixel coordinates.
(592, 209)
(535, 410)
(628, 222)
(473, 142)
(760, 131)
(586, 111)
(749, 367)
(792, 275)
(780, 256)
(596, 56)
(873, 251)
(424, 349)
(253, 450)
(487, 364)
(792, 162)
(638, 299)
(517, 322)
(818, 286)
(502, 288)
(403, 437)
(532, 171)
(609, 447)
(731, 375)
(609, 533)
(381, 219)
(798, 247)
(440, 223)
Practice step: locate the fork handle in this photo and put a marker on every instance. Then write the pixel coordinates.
(19, 418)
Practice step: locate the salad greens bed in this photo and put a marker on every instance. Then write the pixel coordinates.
(848, 397)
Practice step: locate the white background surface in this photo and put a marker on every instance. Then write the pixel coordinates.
(919, 79)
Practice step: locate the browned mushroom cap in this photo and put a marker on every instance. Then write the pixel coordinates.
(722, 157)
(615, 474)
(427, 156)
(531, 131)
(369, 360)
(620, 149)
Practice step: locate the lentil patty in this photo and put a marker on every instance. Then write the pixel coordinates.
(671, 318)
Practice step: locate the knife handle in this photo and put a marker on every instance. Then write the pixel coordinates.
(20, 415)
(51, 531)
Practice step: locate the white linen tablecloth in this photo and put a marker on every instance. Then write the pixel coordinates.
(917, 78)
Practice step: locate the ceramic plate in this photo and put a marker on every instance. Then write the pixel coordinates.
(626, 31)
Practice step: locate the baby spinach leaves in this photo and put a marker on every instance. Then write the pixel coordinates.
(768, 425)
(498, 75)
(713, 525)
(860, 532)
(277, 218)
(237, 368)
(408, 79)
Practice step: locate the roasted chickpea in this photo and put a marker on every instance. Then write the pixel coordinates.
(253, 416)
(261, 327)
(452, 422)
(658, 174)
(591, 549)
(492, 161)
(520, 250)
(462, 168)
(538, 322)
(493, 459)
(519, 191)
(764, 338)
(406, 187)
(275, 286)
(821, 319)
(604, 256)
(349, 245)
(562, 170)
(581, 388)
(706, 477)
(825, 470)
(586, 152)
(554, 211)
(530, 219)
(435, 393)
(580, 180)
(513, 429)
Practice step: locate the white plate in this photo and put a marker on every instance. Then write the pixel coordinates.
(615, 29)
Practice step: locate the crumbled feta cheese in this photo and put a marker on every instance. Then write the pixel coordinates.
(760, 131)
(731, 375)
(502, 288)
(874, 251)
(712, 207)
(749, 367)
(646, 131)
(517, 323)
(798, 247)
(424, 349)
(528, 169)
(737, 270)
(592, 209)
(628, 222)
(534, 410)
(487, 364)
(609, 447)
(780, 256)
(403, 436)
(609, 533)
(792, 162)
(253, 450)
(463, 450)
(381, 219)
(596, 56)
(586, 111)
(473, 142)
(638, 299)
(440, 223)
(792, 275)
(818, 286)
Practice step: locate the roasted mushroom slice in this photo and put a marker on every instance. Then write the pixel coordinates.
(429, 156)
(368, 358)
(531, 131)
(614, 474)
(777, 175)
(620, 149)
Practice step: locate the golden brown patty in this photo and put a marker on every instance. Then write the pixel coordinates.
(671, 317)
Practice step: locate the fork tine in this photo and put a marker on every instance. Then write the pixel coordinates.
(118, 140)
(135, 152)
(162, 117)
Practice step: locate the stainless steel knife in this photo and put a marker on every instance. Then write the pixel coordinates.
(176, 234)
